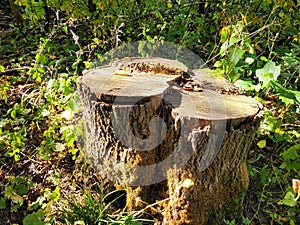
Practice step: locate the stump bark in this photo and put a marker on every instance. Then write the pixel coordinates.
(170, 136)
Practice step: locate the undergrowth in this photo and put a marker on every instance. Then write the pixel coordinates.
(256, 47)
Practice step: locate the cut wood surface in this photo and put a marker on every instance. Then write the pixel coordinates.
(113, 81)
(190, 158)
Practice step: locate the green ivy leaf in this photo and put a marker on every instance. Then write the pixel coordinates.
(287, 96)
(223, 48)
(288, 200)
(291, 61)
(9, 190)
(246, 220)
(218, 64)
(233, 40)
(234, 75)
(249, 60)
(13, 113)
(65, 29)
(21, 189)
(297, 95)
(244, 84)
(268, 73)
(42, 59)
(56, 194)
(235, 54)
(34, 218)
(291, 153)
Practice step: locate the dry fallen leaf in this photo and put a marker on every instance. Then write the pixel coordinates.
(188, 88)
(119, 187)
(187, 183)
(122, 73)
(296, 185)
(138, 202)
(15, 198)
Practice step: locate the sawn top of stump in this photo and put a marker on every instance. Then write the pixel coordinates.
(131, 80)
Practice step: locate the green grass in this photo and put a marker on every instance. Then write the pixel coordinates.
(94, 210)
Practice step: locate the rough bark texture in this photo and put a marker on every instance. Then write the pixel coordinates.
(181, 162)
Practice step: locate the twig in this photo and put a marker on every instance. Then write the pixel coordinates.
(30, 159)
(259, 204)
(9, 71)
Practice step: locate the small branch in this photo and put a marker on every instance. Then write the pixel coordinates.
(288, 126)
(10, 71)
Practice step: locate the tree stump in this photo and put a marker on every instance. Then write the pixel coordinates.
(170, 136)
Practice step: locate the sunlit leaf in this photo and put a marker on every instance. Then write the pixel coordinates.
(67, 114)
(268, 73)
(291, 153)
(45, 113)
(244, 18)
(288, 200)
(9, 190)
(56, 194)
(79, 222)
(244, 84)
(42, 59)
(223, 48)
(234, 75)
(13, 113)
(249, 60)
(2, 68)
(297, 95)
(262, 143)
(187, 183)
(225, 33)
(34, 205)
(285, 94)
(235, 54)
(233, 40)
(65, 29)
(17, 199)
(48, 207)
(218, 64)
(59, 147)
